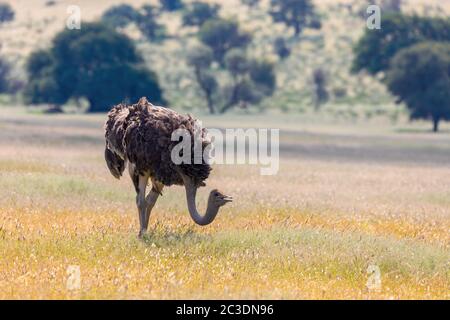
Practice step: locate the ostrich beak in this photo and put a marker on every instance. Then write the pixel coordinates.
(227, 198)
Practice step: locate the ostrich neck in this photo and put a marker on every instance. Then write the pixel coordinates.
(199, 219)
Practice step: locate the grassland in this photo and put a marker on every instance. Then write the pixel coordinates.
(346, 197)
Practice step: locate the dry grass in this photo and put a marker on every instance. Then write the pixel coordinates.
(309, 232)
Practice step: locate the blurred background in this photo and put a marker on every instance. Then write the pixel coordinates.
(316, 59)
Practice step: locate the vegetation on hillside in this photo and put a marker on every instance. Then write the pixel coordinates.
(165, 37)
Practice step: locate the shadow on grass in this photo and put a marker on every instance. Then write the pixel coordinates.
(421, 130)
(163, 237)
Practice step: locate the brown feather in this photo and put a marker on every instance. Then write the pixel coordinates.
(141, 133)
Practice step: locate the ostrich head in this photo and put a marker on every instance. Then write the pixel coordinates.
(216, 200)
(115, 164)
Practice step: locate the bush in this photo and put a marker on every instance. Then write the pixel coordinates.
(171, 5)
(236, 62)
(200, 12)
(281, 48)
(262, 73)
(145, 19)
(6, 13)
(96, 63)
(222, 35)
(320, 81)
(148, 24)
(298, 14)
(251, 3)
(5, 71)
(120, 15)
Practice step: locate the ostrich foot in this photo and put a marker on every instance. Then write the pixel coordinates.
(142, 233)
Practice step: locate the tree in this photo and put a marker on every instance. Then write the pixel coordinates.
(96, 63)
(148, 24)
(236, 62)
(200, 12)
(5, 71)
(171, 5)
(42, 86)
(281, 48)
(6, 13)
(120, 16)
(252, 79)
(145, 19)
(251, 3)
(386, 6)
(420, 77)
(376, 48)
(394, 6)
(262, 73)
(298, 14)
(201, 58)
(221, 36)
(320, 88)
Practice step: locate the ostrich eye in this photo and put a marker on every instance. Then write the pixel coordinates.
(216, 194)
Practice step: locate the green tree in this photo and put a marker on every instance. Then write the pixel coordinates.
(6, 13)
(5, 71)
(321, 94)
(281, 48)
(251, 3)
(221, 36)
(376, 48)
(198, 13)
(201, 58)
(262, 73)
(147, 23)
(237, 63)
(420, 77)
(298, 14)
(146, 19)
(96, 63)
(392, 6)
(252, 80)
(42, 86)
(120, 16)
(171, 5)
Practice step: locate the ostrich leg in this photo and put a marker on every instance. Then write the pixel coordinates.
(140, 184)
(151, 198)
(142, 205)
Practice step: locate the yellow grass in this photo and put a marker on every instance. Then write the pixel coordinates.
(309, 232)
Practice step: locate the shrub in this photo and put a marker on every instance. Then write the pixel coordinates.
(6, 13)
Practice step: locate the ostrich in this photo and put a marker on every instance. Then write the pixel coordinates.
(140, 135)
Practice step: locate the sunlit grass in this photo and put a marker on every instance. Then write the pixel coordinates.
(311, 231)
(178, 260)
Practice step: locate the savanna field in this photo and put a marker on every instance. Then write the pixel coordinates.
(345, 198)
